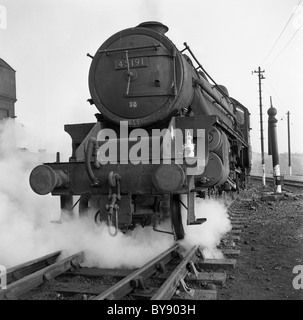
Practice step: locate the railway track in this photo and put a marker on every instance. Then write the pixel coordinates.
(174, 274)
(29, 275)
(295, 182)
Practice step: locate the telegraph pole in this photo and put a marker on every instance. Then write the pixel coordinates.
(261, 77)
(289, 153)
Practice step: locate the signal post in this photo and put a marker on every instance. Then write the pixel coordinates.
(273, 149)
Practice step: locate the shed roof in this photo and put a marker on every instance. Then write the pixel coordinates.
(5, 64)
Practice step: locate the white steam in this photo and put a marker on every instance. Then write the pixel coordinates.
(209, 233)
(103, 250)
(151, 10)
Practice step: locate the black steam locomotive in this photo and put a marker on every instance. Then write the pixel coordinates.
(165, 132)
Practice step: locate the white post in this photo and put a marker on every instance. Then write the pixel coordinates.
(263, 175)
(277, 173)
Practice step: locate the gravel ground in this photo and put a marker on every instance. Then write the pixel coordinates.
(271, 247)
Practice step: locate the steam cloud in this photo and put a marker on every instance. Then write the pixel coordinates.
(208, 234)
(151, 10)
(26, 232)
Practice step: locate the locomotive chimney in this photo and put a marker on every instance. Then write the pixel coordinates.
(154, 25)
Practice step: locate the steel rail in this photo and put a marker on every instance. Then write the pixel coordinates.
(17, 272)
(286, 182)
(168, 288)
(126, 285)
(19, 287)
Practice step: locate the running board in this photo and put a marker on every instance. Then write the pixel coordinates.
(198, 221)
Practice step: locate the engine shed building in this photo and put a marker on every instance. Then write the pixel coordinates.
(7, 90)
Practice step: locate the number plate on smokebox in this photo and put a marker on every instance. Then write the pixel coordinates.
(133, 63)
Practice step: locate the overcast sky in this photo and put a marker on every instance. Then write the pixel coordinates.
(46, 42)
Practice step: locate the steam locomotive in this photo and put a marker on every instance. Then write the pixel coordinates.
(165, 134)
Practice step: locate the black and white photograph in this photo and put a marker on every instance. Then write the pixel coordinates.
(151, 150)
